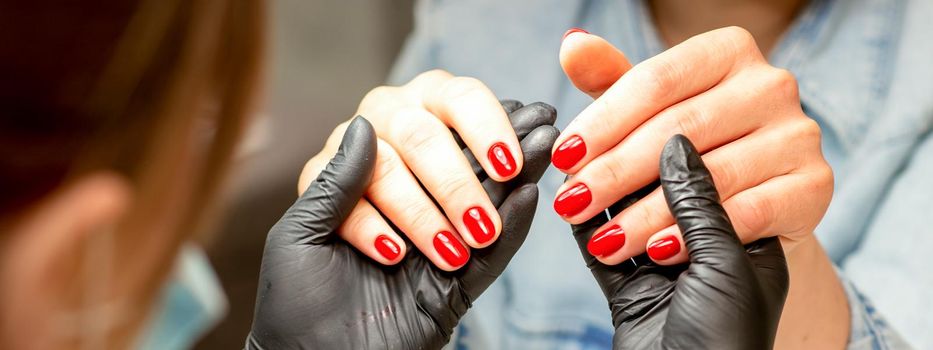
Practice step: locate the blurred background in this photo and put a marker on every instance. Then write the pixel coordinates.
(323, 57)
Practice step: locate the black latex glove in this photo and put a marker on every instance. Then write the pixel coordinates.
(727, 297)
(315, 291)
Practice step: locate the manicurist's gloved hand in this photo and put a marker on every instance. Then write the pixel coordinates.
(727, 297)
(317, 291)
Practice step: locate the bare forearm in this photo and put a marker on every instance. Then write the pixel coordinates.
(816, 314)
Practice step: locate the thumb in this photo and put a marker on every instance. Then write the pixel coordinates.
(591, 63)
(336, 191)
(692, 198)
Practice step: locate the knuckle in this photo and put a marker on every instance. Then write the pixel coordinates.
(458, 87)
(432, 75)
(657, 80)
(754, 213)
(420, 217)
(614, 169)
(783, 83)
(379, 93)
(822, 180)
(725, 175)
(453, 187)
(690, 121)
(739, 37)
(413, 135)
(387, 161)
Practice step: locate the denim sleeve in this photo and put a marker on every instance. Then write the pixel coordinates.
(869, 330)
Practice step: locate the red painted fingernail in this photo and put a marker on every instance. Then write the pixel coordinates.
(501, 159)
(450, 249)
(573, 30)
(664, 248)
(569, 153)
(573, 200)
(607, 241)
(387, 247)
(479, 224)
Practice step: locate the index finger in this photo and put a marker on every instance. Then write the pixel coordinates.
(648, 88)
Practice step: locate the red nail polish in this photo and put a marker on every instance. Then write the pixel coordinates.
(479, 224)
(450, 249)
(573, 200)
(573, 30)
(569, 153)
(501, 159)
(664, 248)
(607, 241)
(387, 247)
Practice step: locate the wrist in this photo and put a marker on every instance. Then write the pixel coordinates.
(816, 313)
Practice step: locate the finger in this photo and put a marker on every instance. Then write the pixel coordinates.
(470, 108)
(733, 170)
(709, 120)
(397, 194)
(516, 211)
(509, 106)
(685, 70)
(368, 232)
(537, 149)
(523, 120)
(427, 148)
(591, 63)
(331, 197)
(692, 198)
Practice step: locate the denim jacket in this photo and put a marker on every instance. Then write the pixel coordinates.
(865, 73)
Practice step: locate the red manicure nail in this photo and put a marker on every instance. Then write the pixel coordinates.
(573, 200)
(450, 249)
(479, 224)
(664, 248)
(501, 159)
(387, 247)
(573, 30)
(607, 241)
(569, 153)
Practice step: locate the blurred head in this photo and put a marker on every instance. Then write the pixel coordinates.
(117, 120)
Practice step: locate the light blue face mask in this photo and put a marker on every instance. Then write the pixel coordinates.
(192, 303)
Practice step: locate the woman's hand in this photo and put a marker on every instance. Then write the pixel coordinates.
(424, 183)
(318, 292)
(717, 89)
(728, 297)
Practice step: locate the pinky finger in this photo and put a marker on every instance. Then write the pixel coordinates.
(788, 206)
(666, 247)
(367, 231)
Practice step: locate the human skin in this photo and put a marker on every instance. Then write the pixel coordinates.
(763, 151)
(413, 123)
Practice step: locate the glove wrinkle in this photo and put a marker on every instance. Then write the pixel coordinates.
(727, 297)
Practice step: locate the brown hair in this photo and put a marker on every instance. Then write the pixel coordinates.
(155, 90)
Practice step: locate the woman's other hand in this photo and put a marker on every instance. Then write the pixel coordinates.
(425, 185)
(728, 297)
(718, 90)
(316, 291)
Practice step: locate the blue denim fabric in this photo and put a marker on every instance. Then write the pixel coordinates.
(865, 75)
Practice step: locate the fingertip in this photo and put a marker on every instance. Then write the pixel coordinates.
(572, 31)
(667, 247)
(389, 249)
(506, 160)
